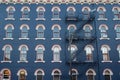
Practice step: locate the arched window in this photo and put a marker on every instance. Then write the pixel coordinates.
(56, 11)
(71, 11)
(40, 31)
(6, 74)
(23, 53)
(56, 53)
(25, 12)
(56, 74)
(9, 30)
(24, 31)
(39, 52)
(105, 51)
(117, 29)
(10, 10)
(86, 13)
(73, 49)
(107, 74)
(71, 29)
(56, 31)
(116, 12)
(39, 74)
(103, 29)
(87, 31)
(40, 13)
(118, 49)
(89, 53)
(90, 74)
(22, 74)
(7, 52)
(101, 13)
(73, 73)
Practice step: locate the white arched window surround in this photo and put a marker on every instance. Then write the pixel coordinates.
(90, 73)
(85, 8)
(2, 72)
(71, 11)
(101, 13)
(87, 25)
(43, 73)
(56, 53)
(105, 51)
(23, 75)
(86, 12)
(10, 13)
(40, 13)
(9, 28)
(118, 49)
(56, 73)
(107, 74)
(56, 12)
(73, 73)
(70, 8)
(117, 29)
(39, 73)
(87, 72)
(20, 47)
(103, 32)
(39, 55)
(6, 46)
(71, 25)
(89, 53)
(56, 33)
(25, 14)
(40, 34)
(24, 33)
(116, 12)
(111, 73)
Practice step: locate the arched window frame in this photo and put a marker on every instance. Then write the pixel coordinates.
(56, 75)
(5, 75)
(71, 13)
(23, 54)
(73, 50)
(10, 13)
(25, 14)
(86, 12)
(107, 74)
(118, 49)
(90, 76)
(9, 31)
(74, 74)
(7, 54)
(56, 13)
(101, 13)
(103, 31)
(39, 76)
(87, 32)
(56, 53)
(70, 30)
(23, 76)
(40, 56)
(117, 30)
(24, 33)
(105, 51)
(40, 13)
(89, 52)
(40, 33)
(116, 12)
(56, 32)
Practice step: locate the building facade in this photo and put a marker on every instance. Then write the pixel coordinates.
(60, 39)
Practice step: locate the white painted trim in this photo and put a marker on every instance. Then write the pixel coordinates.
(40, 38)
(55, 38)
(106, 61)
(40, 46)
(37, 19)
(56, 46)
(6, 61)
(24, 38)
(22, 61)
(102, 19)
(8, 38)
(39, 61)
(39, 8)
(104, 38)
(55, 7)
(56, 61)
(9, 18)
(56, 19)
(24, 18)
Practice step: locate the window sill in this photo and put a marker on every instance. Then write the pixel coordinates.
(116, 18)
(39, 38)
(107, 61)
(43, 19)
(8, 38)
(9, 18)
(89, 61)
(39, 61)
(24, 18)
(104, 38)
(56, 61)
(119, 61)
(22, 61)
(117, 38)
(55, 19)
(102, 19)
(23, 38)
(6, 61)
(56, 38)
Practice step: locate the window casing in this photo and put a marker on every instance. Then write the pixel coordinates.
(107, 75)
(90, 74)
(71, 30)
(40, 13)
(6, 75)
(101, 13)
(103, 30)
(56, 75)
(71, 12)
(40, 52)
(117, 31)
(56, 54)
(116, 13)
(56, 13)
(25, 13)
(11, 11)
(23, 54)
(56, 32)
(73, 75)
(7, 53)
(87, 32)
(89, 56)
(9, 32)
(22, 75)
(40, 32)
(86, 14)
(39, 75)
(24, 32)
